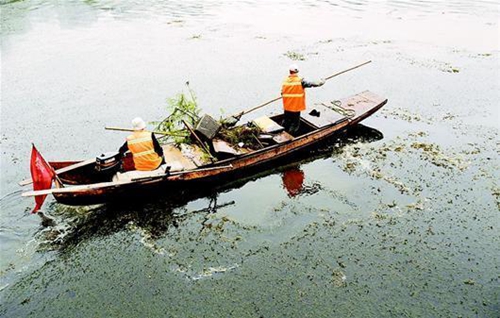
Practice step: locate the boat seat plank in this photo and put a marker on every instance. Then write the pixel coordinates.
(135, 174)
(174, 154)
(282, 137)
(220, 146)
(196, 154)
(267, 125)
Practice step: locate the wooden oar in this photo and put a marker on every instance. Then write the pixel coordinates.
(232, 120)
(62, 170)
(74, 188)
(100, 185)
(131, 130)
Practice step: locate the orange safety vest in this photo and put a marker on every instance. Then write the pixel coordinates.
(141, 146)
(294, 95)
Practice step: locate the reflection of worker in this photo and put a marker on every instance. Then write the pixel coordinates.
(293, 181)
(146, 151)
(294, 98)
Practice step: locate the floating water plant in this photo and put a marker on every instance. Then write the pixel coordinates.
(295, 56)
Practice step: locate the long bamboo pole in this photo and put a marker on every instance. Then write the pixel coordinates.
(131, 130)
(345, 71)
(240, 114)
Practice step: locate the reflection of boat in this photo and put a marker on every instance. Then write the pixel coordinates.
(81, 184)
(161, 207)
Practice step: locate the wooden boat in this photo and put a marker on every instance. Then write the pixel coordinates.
(82, 185)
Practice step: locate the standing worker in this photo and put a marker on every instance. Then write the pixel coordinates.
(145, 148)
(294, 98)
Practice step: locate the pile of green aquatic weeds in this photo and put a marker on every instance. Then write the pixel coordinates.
(183, 109)
(236, 136)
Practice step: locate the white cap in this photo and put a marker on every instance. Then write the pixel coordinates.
(294, 68)
(138, 123)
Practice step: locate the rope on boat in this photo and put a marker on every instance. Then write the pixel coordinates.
(336, 106)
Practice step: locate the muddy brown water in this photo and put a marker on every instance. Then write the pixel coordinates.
(400, 218)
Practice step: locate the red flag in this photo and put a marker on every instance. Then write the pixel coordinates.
(42, 175)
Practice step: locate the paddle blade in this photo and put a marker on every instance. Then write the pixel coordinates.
(42, 175)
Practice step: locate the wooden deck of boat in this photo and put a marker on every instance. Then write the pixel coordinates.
(359, 104)
(189, 157)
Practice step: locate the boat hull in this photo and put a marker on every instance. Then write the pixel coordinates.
(216, 173)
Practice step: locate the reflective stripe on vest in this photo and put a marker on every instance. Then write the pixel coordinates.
(294, 95)
(142, 148)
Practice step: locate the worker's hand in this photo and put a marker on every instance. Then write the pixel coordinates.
(322, 82)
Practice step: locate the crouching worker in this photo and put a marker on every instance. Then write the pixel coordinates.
(145, 148)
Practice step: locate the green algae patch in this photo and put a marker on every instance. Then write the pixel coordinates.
(295, 56)
(406, 115)
(469, 282)
(433, 154)
(339, 278)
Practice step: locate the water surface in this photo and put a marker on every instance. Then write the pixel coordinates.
(402, 222)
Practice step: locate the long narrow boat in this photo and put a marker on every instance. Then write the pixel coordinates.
(82, 185)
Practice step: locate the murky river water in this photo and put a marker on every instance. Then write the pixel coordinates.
(404, 221)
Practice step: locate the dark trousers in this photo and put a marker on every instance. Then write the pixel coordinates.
(291, 122)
